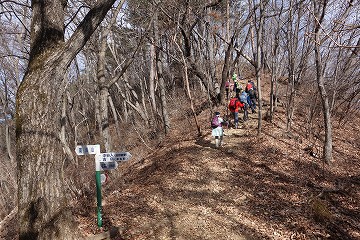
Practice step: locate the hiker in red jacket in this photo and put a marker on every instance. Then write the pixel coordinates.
(234, 106)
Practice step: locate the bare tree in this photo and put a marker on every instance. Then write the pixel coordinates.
(258, 24)
(319, 13)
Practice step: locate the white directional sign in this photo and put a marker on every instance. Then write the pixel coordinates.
(108, 161)
(113, 156)
(87, 149)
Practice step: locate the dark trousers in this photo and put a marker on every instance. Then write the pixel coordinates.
(252, 104)
(246, 107)
(236, 119)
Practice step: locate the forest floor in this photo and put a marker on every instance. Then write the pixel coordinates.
(265, 187)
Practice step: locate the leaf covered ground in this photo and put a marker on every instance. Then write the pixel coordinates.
(267, 187)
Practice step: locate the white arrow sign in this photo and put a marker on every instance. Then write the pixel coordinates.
(87, 149)
(112, 156)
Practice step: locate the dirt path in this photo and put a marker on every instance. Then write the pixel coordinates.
(193, 191)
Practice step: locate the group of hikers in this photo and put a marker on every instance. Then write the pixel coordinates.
(240, 100)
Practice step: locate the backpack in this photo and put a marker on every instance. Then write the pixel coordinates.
(252, 94)
(232, 104)
(248, 86)
(215, 122)
(243, 98)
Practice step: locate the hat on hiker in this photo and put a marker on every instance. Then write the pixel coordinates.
(217, 113)
(234, 76)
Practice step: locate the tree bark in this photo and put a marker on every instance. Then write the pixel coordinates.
(43, 209)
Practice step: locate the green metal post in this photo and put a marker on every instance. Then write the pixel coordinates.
(98, 197)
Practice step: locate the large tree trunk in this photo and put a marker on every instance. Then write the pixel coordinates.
(44, 212)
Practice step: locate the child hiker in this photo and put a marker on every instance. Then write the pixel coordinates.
(217, 130)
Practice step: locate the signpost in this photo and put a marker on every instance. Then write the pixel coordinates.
(103, 161)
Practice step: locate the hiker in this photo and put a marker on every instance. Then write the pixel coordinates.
(237, 86)
(250, 85)
(234, 106)
(217, 130)
(244, 99)
(252, 100)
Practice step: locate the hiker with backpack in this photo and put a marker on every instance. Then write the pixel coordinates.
(244, 99)
(234, 106)
(251, 90)
(217, 130)
(250, 85)
(252, 100)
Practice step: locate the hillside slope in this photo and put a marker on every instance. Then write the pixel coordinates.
(264, 187)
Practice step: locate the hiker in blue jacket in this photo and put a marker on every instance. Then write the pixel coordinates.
(244, 99)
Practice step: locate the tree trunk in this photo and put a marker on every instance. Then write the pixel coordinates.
(319, 14)
(165, 115)
(4, 114)
(43, 208)
(115, 115)
(104, 92)
(8, 141)
(152, 78)
(258, 63)
(226, 67)
(104, 118)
